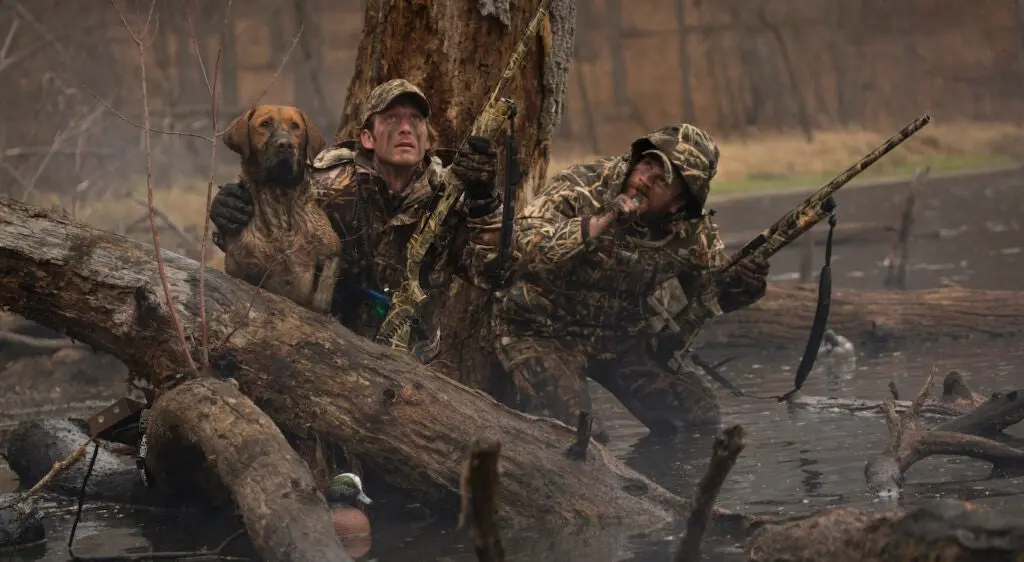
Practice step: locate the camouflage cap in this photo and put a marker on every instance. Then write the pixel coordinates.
(382, 96)
(691, 153)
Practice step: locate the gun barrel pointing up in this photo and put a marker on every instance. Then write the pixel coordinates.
(812, 210)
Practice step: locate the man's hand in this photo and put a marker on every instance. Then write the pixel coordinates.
(627, 209)
(743, 285)
(475, 167)
(231, 209)
(622, 210)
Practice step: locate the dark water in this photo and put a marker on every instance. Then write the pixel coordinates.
(796, 461)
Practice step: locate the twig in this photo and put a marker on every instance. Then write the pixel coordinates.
(140, 126)
(175, 320)
(578, 449)
(724, 452)
(211, 85)
(58, 467)
(480, 483)
(164, 217)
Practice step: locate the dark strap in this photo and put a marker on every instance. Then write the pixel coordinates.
(817, 328)
(508, 203)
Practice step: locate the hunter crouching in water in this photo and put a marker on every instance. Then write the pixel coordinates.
(594, 245)
(375, 190)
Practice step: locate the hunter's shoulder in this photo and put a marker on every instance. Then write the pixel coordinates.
(338, 155)
(589, 173)
(583, 178)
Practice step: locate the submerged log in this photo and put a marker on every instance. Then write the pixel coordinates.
(785, 314)
(409, 425)
(35, 445)
(21, 522)
(942, 530)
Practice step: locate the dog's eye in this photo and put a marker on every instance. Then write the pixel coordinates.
(295, 126)
(265, 123)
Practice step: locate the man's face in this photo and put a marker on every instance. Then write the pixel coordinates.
(398, 135)
(657, 197)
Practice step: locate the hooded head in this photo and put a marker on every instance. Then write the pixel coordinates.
(686, 151)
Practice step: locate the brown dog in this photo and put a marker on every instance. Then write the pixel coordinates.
(289, 247)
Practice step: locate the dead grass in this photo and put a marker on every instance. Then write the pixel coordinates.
(757, 163)
(781, 160)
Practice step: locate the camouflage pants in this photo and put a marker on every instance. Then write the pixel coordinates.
(549, 378)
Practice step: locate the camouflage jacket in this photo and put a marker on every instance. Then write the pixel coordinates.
(572, 285)
(375, 226)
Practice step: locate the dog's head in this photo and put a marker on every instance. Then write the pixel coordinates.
(276, 143)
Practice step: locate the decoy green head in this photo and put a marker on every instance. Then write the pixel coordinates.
(347, 487)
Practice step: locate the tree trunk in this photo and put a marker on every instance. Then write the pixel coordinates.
(459, 55)
(409, 425)
(784, 317)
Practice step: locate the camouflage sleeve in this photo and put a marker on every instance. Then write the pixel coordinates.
(334, 190)
(475, 247)
(706, 253)
(553, 228)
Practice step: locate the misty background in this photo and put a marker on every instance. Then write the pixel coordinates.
(784, 75)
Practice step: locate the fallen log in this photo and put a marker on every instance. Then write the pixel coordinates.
(909, 444)
(410, 426)
(786, 312)
(941, 530)
(207, 428)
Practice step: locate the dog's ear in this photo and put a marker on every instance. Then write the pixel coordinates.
(314, 140)
(237, 136)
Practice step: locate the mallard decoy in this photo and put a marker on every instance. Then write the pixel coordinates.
(344, 495)
(836, 345)
(955, 392)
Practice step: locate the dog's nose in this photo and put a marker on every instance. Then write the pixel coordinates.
(284, 144)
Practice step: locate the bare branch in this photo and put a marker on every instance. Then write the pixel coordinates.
(175, 320)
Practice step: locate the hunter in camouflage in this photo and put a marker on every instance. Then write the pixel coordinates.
(375, 190)
(592, 248)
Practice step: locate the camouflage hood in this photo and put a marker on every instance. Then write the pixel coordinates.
(690, 152)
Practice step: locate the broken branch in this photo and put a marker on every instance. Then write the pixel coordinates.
(727, 447)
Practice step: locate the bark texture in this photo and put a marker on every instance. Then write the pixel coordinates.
(455, 50)
(784, 317)
(944, 530)
(284, 513)
(407, 424)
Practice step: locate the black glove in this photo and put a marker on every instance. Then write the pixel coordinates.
(475, 168)
(743, 285)
(231, 209)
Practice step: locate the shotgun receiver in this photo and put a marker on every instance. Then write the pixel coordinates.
(812, 210)
(395, 330)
